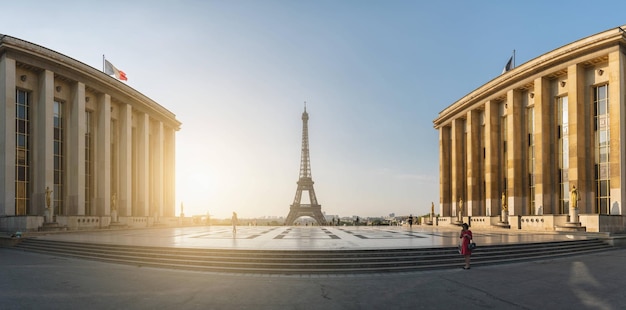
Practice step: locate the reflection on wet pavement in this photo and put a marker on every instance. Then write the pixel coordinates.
(303, 237)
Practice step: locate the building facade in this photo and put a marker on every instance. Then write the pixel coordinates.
(511, 151)
(78, 148)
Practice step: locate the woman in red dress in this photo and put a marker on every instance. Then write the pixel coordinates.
(466, 236)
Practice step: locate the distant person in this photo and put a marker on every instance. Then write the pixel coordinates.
(234, 220)
(411, 221)
(466, 238)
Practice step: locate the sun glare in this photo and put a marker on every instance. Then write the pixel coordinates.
(193, 188)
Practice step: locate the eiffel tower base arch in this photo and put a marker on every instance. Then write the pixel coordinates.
(314, 211)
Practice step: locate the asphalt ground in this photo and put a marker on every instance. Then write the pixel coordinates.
(39, 281)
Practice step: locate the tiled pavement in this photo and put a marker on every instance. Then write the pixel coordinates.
(302, 237)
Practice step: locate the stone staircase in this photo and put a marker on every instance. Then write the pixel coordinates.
(309, 262)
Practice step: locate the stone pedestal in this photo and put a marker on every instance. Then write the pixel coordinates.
(504, 220)
(573, 215)
(571, 227)
(46, 216)
(114, 218)
(53, 227)
(49, 224)
(573, 224)
(459, 219)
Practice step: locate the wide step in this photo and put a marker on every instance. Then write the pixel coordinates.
(309, 262)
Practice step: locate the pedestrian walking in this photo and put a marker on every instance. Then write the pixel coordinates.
(234, 220)
(466, 239)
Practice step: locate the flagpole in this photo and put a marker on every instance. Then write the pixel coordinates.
(103, 65)
(513, 58)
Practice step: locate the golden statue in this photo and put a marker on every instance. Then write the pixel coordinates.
(573, 198)
(114, 201)
(504, 206)
(48, 192)
(432, 207)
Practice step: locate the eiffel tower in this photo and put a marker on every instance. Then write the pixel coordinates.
(305, 183)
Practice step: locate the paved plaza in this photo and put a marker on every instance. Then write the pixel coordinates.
(303, 237)
(40, 281)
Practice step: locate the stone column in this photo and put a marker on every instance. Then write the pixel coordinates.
(143, 167)
(492, 158)
(545, 147)
(124, 197)
(474, 156)
(445, 173)
(42, 161)
(516, 145)
(458, 163)
(579, 141)
(617, 155)
(77, 128)
(102, 156)
(7, 135)
(170, 172)
(157, 168)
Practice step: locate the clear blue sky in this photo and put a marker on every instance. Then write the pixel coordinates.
(374, 75)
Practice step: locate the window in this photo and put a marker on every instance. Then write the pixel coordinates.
(531, 159)
(22, 153)
(482, 188)
(59, 158)
(114, 157)
(602, 148)
(88, 163)
(563, 153)
(504, 161)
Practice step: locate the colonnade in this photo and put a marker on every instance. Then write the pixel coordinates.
(113, 146)
(532, 136)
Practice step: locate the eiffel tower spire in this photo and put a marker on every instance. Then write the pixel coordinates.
(305, 183)
(305, 159)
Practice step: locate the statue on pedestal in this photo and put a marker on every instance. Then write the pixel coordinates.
(573, 198)
(573, 205)
(48, 213)
(114, 201)
(48, 192)
(114, 208)
(505, 210)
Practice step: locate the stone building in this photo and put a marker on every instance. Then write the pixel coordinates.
(78, 148)
(530, 135)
